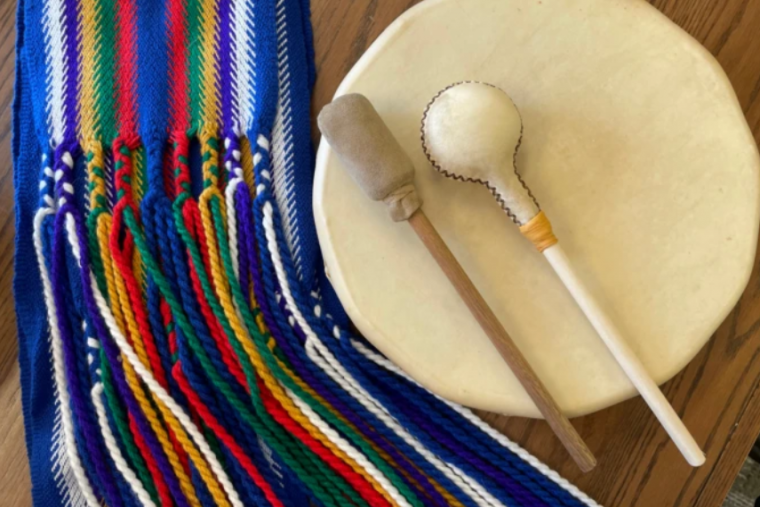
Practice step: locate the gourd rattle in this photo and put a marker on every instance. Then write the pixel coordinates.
(471, 132)
(378, 164)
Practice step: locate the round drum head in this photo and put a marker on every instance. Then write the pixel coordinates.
(636, 148)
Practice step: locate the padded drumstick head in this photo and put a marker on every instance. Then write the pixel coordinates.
(471, 132)
(370, 153)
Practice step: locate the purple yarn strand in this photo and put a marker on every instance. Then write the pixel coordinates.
(78, 392)
(71, 27)
(241, 196)
(227, 84)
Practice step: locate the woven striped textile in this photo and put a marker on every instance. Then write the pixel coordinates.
(179, 344)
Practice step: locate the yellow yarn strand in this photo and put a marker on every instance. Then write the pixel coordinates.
(200, 464)
(138, 174)
(246, 161)
(97, 186)
(129, 317)
(138, 182)
(208, 55)
(88, 24)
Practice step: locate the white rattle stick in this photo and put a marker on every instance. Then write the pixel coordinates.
(471, 132)
(384, 172)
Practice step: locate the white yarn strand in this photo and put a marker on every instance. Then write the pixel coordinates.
(55, 61)
(61, 384)
(244, 54)
(113, 448)
(232, 235)
(232, 230)
(283, 161)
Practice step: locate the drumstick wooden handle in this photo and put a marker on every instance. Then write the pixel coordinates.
(626, 358)
(384, 172)
(562, 427)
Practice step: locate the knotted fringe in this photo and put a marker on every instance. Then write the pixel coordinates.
(194, 367)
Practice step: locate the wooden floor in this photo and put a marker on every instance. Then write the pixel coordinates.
(718, 394)
(14, 470)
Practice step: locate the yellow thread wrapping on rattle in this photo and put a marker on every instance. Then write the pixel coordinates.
(539, 231)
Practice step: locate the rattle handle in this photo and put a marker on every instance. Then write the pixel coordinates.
(626, 358)
(502, 341)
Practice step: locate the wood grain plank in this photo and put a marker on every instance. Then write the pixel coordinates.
(718, 394)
